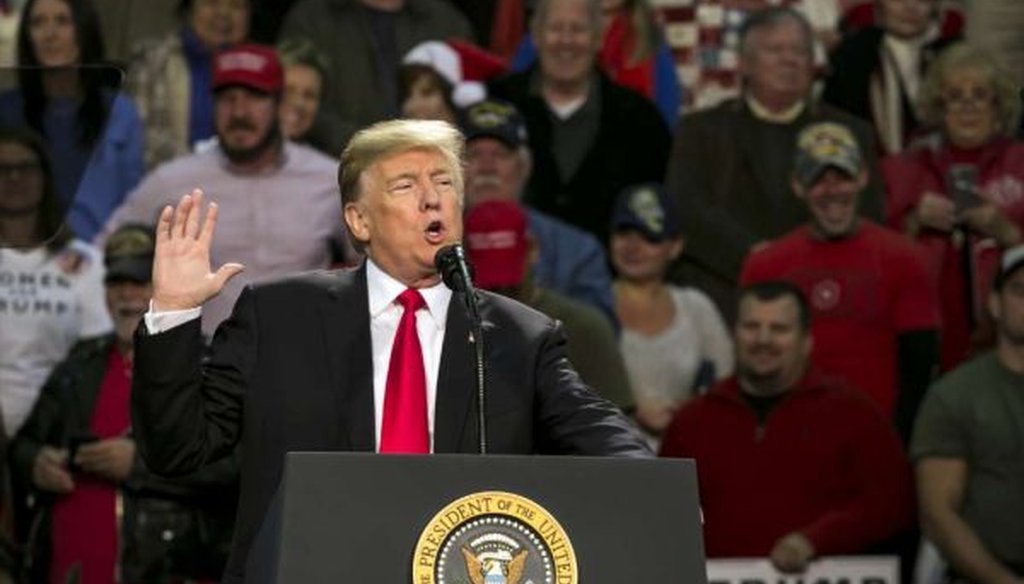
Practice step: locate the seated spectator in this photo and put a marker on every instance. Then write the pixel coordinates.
(570, 261)
(365, 41)
(51, 285)
(77, 456)
(792, 465)
(730, 166)
(960, 194)
(437, 78)
(673, 339)
(304, 71)
(580, 122)
(876, 73)
(502, 253)
(94, 136)
(869, 289)
(169, 77)
(967, 445)
(633, 54)
(280, 211)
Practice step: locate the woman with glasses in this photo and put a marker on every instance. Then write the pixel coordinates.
(70, 99)
(960, 193)
(51, 286)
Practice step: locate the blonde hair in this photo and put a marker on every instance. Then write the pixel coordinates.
(960, 57)
(385, 139)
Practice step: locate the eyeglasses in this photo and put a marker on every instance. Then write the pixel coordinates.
(960, 100)
(16, 170)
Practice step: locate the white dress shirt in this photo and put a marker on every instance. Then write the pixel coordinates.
(385, 314)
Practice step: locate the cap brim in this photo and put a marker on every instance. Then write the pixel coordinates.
(134, 269)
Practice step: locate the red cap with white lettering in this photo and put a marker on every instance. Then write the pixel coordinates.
(250, 65)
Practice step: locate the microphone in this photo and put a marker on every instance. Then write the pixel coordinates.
(457, 274)
(455, 270)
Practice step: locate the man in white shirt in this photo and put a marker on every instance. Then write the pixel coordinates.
(282, 210)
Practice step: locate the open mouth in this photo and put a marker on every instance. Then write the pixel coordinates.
(435, 232)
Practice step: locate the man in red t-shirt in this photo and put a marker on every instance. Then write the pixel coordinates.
(875, 309)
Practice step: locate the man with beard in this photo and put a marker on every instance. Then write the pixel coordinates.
(873, 300)
(282, 210)
(77, 456)
(967, 449)
(791, 464)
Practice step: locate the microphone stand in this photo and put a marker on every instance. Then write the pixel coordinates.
(451, 262)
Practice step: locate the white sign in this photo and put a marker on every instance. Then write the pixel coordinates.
(833, 570)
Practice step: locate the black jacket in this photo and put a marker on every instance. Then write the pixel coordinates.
(294, 362)
(203, 500)
(631, 147)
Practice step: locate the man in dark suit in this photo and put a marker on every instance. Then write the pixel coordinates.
(318, 361)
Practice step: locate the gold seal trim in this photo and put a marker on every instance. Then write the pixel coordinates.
(472, 508)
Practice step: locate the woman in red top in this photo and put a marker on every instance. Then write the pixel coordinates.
(961, 193)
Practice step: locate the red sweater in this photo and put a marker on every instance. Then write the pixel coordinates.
(825, 463)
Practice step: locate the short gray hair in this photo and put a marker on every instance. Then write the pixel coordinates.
(385, 139)
(961, 56)
(770, 18)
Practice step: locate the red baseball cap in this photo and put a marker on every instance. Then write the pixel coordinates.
(250, 65)
(495, 236)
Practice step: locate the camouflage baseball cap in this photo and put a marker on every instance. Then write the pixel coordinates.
(823, 145)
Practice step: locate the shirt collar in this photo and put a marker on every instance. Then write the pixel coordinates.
(763, 113)
(384, 289)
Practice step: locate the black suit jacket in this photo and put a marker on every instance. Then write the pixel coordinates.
(292, 370)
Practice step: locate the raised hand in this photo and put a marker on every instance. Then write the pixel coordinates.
(181, 265)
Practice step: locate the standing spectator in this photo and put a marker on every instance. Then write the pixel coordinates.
(93, 134)
(571, 262)
(791, 464)
(304, 72)
(502, 254)
(876, 73)
(365, 41)
(579, 121)
(704, 39)
(961, 196)
(281, 211)
(170, 77)
(730, 166)
(868, 286)
(50, 284)
(633, 54)
(967, 449)
(77, 453)
(437, 78)
(127, 23)
(673, 339)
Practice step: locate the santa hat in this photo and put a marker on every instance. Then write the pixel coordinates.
(462, 64)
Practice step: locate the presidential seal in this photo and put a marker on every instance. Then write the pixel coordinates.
(493, 537)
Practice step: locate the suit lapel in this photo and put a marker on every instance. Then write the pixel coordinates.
(346, 328)
(456, 383)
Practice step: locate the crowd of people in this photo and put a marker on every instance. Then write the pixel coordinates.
(786, 238)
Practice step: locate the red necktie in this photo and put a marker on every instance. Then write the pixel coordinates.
(404, 429)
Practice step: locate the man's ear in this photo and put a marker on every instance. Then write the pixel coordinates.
(994, 307)
(798, 188)
(678, 245)
(862, 179)
(357, 222)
